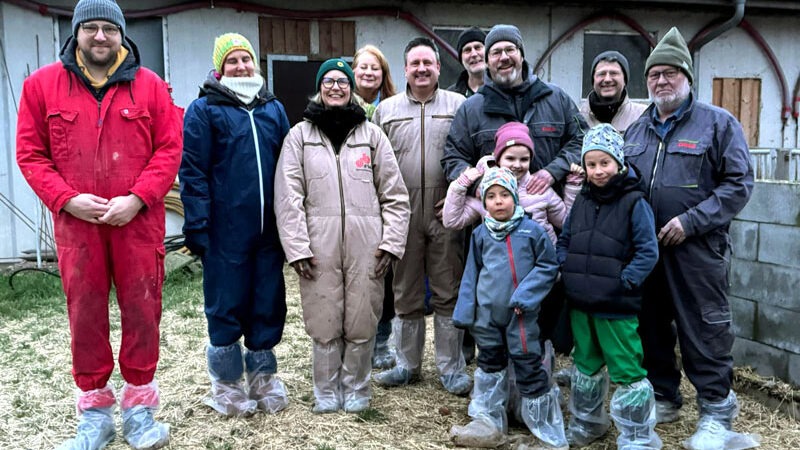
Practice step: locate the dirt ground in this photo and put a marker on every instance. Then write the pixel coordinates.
(37, 399)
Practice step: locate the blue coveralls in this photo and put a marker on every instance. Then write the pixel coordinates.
(227, 175)
(695, 166)
(521, 268)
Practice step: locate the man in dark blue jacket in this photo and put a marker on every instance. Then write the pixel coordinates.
(696, 165)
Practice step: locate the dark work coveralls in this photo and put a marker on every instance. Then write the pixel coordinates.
(227, 176)
(696, 166)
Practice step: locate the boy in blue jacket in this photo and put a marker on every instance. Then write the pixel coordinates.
(606, 249)
(510, 269)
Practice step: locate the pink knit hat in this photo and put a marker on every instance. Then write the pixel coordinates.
(511, 133)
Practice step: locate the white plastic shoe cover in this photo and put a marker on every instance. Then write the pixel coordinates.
(327, 363)
(543, 417)
(589, 419)
(634, 412)
(95, 430)
(714, 427)
(268, 392)
(489, 398)
(141, 431)
(666, 412)
(355, 373)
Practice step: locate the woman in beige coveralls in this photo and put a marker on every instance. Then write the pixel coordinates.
(343, 212)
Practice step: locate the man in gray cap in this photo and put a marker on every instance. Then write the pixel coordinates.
(102, 151)
(471, 50)
(608, 102)
(513, 93)
(695, 164)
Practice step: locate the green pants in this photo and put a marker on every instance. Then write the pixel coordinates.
(611, 342)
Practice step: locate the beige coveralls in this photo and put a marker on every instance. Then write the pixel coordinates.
(418, 132)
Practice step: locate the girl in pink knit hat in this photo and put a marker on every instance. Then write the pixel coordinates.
(514, 151)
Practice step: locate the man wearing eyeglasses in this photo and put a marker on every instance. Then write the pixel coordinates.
(513, 93)
(695, 164)
(416, 123)
(608, 102)
(99, 141)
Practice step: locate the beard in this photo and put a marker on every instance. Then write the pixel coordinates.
(506, 80)
(90, 58)
(671, 102)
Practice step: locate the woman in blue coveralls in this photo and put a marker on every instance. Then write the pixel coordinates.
(232, 137)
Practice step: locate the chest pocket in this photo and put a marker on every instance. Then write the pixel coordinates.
(358, 163)
(546, 140)
(683, 163)
(61, 125)
(315, 160)
(441, 128)
(398, 131)
(136, 142)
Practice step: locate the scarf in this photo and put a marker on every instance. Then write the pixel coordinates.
(335, 123)
(605, 110)
(245, 88)
(499, 230)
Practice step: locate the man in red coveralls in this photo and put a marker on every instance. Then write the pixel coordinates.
(99, 141)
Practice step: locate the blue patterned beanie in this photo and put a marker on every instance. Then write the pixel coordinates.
(605, 138)
(502, 177)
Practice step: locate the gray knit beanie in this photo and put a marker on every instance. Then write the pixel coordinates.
(616, 57)
(672, 51)
(500, 33)
(107, 10)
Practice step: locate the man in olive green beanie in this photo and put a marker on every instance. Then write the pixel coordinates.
(695, 164)
(672, 51)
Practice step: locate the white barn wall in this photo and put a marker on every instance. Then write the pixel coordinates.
(190, 37)
(19, 31)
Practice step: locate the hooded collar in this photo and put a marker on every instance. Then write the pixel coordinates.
(125, 72)
(500, 101)
(617, 186)
(220, 95)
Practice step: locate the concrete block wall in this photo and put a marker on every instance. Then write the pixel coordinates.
(765, 281)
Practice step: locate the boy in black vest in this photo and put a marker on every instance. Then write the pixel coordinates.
(607, 248)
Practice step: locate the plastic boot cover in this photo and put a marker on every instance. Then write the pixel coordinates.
(477, 434)
(489, 399)
(543, 417)
(449, 359)
(409, 335)
(225, 368)
(714, 427)
(327, 362)
(267, 391)
(355, 375)
(589, 419)
(95, 430)
(666, 412)
(564, 376)
(141, 431)
(145, 395)
(548, 360)
(382, 355)
(633, 408)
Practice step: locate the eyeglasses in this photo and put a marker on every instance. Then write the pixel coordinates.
(669, 74)
(511, 50)
(92, 28)
(343, 83)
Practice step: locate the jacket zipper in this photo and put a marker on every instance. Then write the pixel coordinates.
(655, 169)
(591, 237)
(258, 162)
(514, 277)
(339, 171)
(422, 159)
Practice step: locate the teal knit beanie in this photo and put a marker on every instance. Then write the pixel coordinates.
(336, 64)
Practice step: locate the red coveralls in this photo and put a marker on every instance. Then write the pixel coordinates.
(131, 142)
